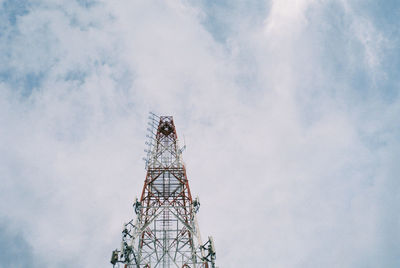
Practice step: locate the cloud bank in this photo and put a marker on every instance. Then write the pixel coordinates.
(289, 109)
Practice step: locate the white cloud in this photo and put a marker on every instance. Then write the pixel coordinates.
(281, 148)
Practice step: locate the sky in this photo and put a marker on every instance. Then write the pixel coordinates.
(290, 111)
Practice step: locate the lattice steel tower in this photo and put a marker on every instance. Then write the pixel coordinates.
(165, 232)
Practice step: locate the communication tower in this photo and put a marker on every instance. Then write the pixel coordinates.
(165, 232)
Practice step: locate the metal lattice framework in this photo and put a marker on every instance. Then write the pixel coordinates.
(165, 233)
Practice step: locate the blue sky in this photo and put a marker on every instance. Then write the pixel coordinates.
(290, 111)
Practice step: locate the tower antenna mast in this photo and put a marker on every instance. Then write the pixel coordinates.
(165, 232)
